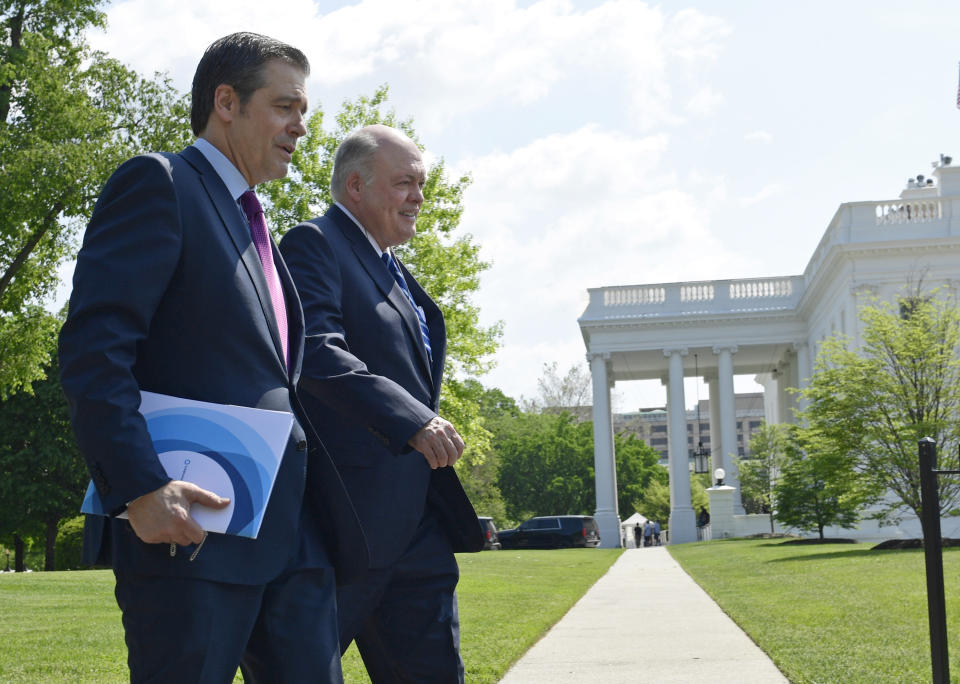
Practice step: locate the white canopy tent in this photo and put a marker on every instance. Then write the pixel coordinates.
(626, 529)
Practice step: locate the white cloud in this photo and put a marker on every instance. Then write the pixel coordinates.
(766, 192)
(589, 208)
(759, 137)
(704, 102)
(451, 58)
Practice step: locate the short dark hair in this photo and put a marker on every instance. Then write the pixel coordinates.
(236, 60)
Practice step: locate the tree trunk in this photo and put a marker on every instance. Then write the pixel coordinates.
(771, 522)
(18, 552)
(50, 555)
(820, 527)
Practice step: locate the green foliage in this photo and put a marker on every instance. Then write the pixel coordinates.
(655, 501)
(447, 266)
(546, 465)
(818, 486)
(827, 613)
(69, 544)
(758, 474)
(68, 117)
(44, 472)
(874, 404)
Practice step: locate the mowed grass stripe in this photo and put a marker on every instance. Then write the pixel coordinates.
(65, 626)
(829, 613)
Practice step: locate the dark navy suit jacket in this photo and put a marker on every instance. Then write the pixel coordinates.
(169, 296)
(368, 384)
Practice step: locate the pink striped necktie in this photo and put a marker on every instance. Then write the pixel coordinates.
(261, 240)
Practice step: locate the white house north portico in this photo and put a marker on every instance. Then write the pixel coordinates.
(768, 327)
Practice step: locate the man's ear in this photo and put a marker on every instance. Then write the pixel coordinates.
(226, 104)
(354, 186)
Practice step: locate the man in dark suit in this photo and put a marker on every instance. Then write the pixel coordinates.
(179, 289)
(372, 370)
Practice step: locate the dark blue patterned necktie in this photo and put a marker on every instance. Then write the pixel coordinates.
(398, 276)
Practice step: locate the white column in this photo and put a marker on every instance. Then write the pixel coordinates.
(769, 382)
(683, 520)
(728, 421)
(604, 459)
(716, 453)
(804, 371)
(784, 403)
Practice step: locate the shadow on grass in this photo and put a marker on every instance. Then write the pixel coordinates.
(849, 553)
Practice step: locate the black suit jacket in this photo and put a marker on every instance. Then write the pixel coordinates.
(368, 384)
(169, 296)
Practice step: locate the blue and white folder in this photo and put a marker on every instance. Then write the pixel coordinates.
(233, 451)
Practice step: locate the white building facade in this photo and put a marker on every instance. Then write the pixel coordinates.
(767, 327)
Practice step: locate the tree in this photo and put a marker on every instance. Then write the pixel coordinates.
(68, 117)
(655, 502)
(573, 392)
(44, 472)
(758, 473)
(817, 489)
(873, 405)
(447, 266)
(546, 465)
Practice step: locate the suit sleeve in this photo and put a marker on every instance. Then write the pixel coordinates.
(130, 250)
(331, 373)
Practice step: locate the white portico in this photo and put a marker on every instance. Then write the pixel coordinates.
(768, 327)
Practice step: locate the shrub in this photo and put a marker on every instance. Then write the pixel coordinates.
(68, 544)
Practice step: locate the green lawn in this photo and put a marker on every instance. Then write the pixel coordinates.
(65, 626)
(829, 613)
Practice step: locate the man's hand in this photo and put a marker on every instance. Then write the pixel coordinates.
(439, 442)
(163, 515)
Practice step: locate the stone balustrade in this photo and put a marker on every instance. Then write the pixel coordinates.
(908, 211)
(716, 296)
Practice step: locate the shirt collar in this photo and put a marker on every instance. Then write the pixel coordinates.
(229, 174)
(373, 242)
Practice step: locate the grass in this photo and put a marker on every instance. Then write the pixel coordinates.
(65, 626)
(829, 613)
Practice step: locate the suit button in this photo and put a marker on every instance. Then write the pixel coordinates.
(302, 445)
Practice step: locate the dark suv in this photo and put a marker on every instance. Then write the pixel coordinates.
(491, 540)
(553, 532)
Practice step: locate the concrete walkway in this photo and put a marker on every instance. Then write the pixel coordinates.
(645, 621)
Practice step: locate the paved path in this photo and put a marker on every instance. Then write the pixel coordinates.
(645, 621)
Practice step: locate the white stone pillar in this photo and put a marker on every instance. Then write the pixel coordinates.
(804, 370)
(683, 520)
(716, 452)
(769, 382)
(784, 400)
(722, 522)
(728, 421)
(604, 459)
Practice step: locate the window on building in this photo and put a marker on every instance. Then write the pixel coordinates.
(754, 424)
(658, 428)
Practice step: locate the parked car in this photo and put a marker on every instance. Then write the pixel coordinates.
(491, 539)
(552, 532)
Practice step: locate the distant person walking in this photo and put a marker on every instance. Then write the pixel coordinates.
(637, 535)
(647, 533)
(656, 533)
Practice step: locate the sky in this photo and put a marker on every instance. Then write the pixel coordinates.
(616, 142)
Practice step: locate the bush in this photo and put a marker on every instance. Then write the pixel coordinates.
(68, 544)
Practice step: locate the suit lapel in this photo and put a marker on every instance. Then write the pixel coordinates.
(384, 282)
(237, 228)
(435, 324)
